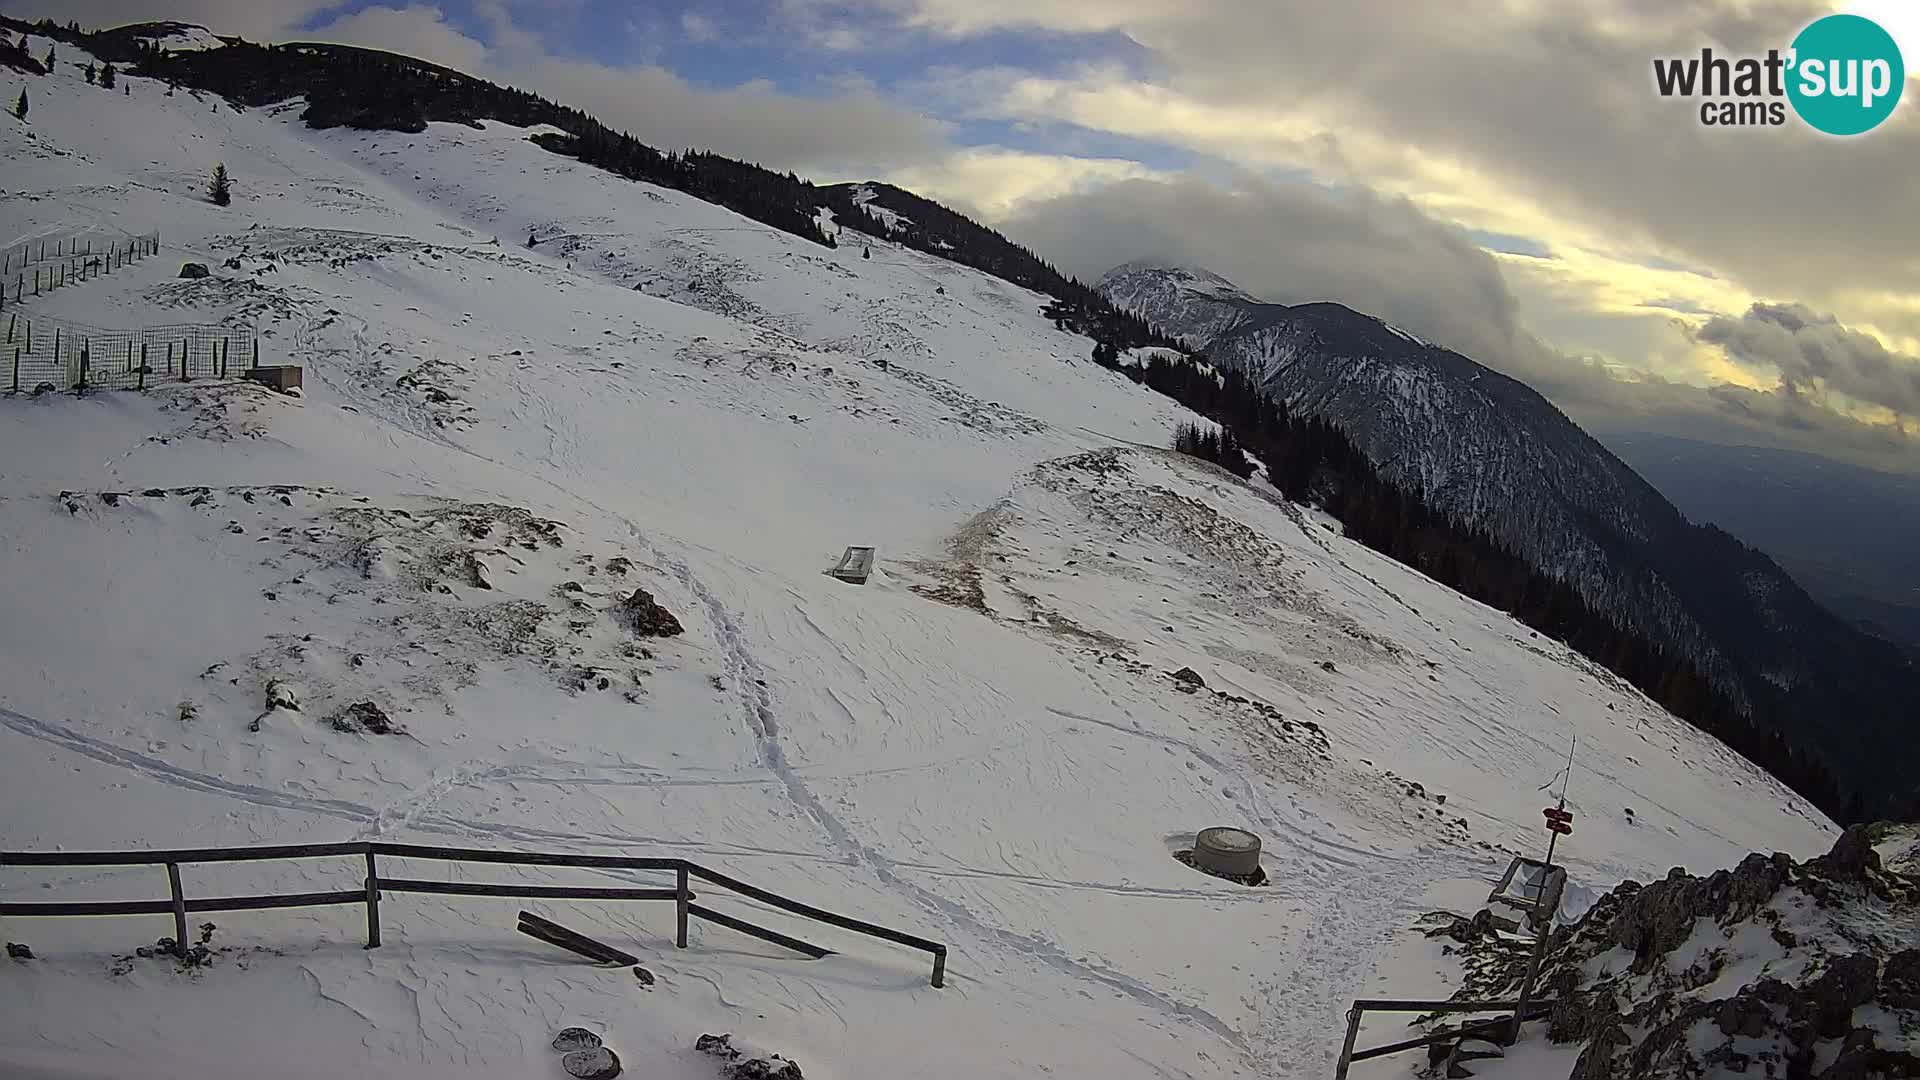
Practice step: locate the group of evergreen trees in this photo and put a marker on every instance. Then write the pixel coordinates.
(1219, 447)
(1312, 461)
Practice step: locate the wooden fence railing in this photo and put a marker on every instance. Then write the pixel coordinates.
(375, 885)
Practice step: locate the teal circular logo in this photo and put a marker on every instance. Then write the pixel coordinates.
(1846, 74)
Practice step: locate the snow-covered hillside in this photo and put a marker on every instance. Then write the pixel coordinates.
(1489, 452)
(984, 745)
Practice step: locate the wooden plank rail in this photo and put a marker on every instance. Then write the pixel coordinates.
(375, 885)
(761, 932)
(549, 892)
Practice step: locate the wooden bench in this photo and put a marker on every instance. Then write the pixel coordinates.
(855, 566)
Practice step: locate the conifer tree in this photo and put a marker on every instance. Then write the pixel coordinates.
(92, 75)
(220, 188)
(106, 77)
(20, 106)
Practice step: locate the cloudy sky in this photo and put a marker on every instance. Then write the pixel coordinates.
(1497, 175)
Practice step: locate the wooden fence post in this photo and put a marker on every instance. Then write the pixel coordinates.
(1346, 1051)
(226, 351)
(56, 343)
(256, 352)
(143, 364)
(179, 910)
(680, 906)
(16, 369)
(939, 969)
(373, 902)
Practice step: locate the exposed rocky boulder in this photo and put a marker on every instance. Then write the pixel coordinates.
(1189, 677)
(737, 1064)
(194, 270)
(1829, 975)
(645, 617)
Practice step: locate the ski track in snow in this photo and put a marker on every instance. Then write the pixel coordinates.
(759, 712)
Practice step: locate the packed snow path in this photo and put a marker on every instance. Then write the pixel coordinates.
(983, 744)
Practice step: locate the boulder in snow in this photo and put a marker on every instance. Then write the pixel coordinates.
(645, 617)
(598, 1063)
(194, 270)
(575, 1038)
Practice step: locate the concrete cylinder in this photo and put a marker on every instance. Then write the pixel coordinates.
(1226, 850)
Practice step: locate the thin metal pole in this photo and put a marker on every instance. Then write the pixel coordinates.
(680, 907)
(1346, 1051)
(1526, 986)
(373, 902)
(179, 910)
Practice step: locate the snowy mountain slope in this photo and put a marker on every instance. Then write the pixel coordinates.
(983, 745)
(1491, 453)
(1193, 304)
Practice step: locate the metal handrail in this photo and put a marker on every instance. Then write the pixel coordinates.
(1521, 1009)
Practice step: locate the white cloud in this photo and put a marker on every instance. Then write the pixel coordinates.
(852, 127)
(698, 27)
(993, 182)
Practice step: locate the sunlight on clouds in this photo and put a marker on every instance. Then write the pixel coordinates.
(993, 180)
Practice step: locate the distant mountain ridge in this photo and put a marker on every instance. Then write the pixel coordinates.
(1844, 532)
(1493, 454)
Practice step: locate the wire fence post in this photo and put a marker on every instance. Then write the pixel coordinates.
(373, 902)
(680, 906)
(179, 910)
